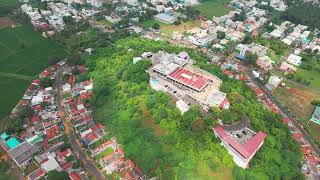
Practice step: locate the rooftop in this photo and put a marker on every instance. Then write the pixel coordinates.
(23, 152)
(244, 141)
(189, 78)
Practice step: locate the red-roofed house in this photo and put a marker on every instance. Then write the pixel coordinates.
(67, 166)
(35, 120)
(242, 146)
(74, 176)
(61, 156)
(52, 132)
(297, 136)
(37, 174)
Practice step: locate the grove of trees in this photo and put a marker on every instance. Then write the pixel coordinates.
(169, 145)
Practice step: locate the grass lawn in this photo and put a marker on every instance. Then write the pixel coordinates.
(167, 30)
(10, 3)
(273, 56)
(298, 100)
(104, 153)
(31, 168)
(312, 76)
(213, 8)
(150, 22)
(24, 54)
(106, 22)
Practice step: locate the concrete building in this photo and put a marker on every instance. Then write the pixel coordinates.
(167, 18)
(242, 143)
(294, 59)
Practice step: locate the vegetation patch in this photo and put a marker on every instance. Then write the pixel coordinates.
(123, 95)
(298, 100)
(212, 8)
(24, 54)
(104, 153)
(167, 30)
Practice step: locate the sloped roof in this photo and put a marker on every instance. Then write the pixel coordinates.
(247, 149)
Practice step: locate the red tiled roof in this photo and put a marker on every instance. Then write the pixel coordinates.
(223, 103)
(91, 137)
(67, 166)
(74, 176)
(228, 73)
(195, 81)
(37, 107)
(36, 82)
(63, 154)
(47, 124)
(131, 163)
(97, 127)
(286, 120)
(246, 150)
(35, 119)
(297, 136)
(312, 159)
(52, 132)
(258, 91)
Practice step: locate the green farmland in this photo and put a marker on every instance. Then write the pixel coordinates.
(212, 8)
(24, 54)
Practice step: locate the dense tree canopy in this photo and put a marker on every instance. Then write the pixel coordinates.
(166, 144)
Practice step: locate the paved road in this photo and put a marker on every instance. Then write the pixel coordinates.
(304, 133)
(77, 150)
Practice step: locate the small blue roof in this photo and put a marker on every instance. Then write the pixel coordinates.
(4, 136)
(240, 57)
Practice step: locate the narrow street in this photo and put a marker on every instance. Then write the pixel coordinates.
(76, 148)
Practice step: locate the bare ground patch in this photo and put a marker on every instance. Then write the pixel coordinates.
(6, 22)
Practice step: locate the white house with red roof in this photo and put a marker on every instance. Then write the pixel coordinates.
(242, 144)
(61, 156)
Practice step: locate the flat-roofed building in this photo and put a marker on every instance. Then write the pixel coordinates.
(166, 18)
(23, 153)
(189, 79)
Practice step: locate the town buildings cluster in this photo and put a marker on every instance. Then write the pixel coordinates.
(41, 146)
(175, 74)
(53, 17)
(107, 154)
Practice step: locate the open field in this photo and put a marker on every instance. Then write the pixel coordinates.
(312, 76)
(298, 100)
(167, 30)
(24, 54)
(10, 3)
(213, 8)
(6, 6)
(150, 22)
(6, 22)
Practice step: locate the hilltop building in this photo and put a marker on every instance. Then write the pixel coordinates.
(241, 142)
